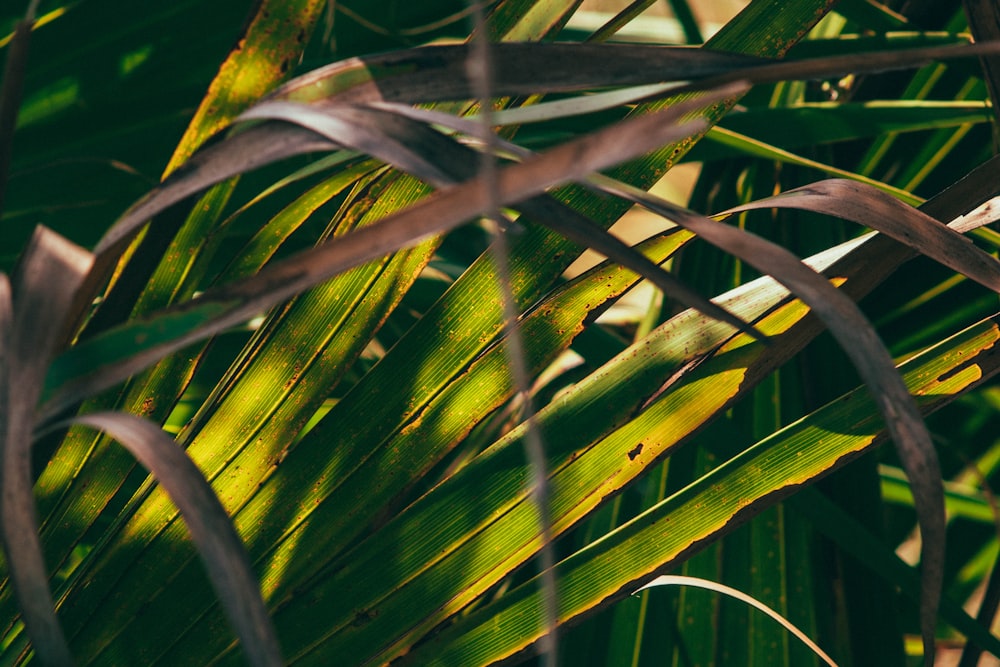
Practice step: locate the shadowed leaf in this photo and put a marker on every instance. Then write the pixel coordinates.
(271, 45)
(211, 530)
(873, 208)
(11, 88)
(47, 280)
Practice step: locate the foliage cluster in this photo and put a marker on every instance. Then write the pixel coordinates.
(335, 322)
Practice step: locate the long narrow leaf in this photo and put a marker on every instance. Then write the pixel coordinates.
(222, 307)
(211, 529)
(863, 346)
(873, 208)
(50, 274)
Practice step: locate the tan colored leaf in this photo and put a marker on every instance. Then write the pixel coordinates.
(50, 272)
(218, 544)
(873, 208)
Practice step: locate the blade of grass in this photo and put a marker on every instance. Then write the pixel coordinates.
(620, 20)
(811, 124)
(527, 20)
(675, 580)
(750, 146)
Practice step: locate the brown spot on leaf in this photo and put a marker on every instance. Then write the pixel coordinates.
(363, 617)
(296, 371)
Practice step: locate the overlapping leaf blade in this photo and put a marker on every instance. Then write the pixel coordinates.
(759, 476)
(306, 382)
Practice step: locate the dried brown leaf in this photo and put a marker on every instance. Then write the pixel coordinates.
(231, 304)
(211, 529)
(382, 135)
(413, 147)
(873, 208)
(50, 272)
(437, 73)
(863, 346)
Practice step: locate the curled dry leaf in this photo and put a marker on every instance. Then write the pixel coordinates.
(222, 307)
(211, 530)
(379, 134)
(873, 362)
(438, 73)
(412, 147)
(696, 582)
(873, 208)
(50, 273)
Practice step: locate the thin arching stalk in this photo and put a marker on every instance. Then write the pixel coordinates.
(479, 71)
